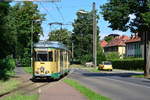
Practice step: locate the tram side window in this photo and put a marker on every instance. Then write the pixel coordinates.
(50, 56)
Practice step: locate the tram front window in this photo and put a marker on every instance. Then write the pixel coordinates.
(42, 56)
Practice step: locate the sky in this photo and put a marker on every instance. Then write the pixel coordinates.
(65, 12)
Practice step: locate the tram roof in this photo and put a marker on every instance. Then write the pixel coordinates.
(50, 44)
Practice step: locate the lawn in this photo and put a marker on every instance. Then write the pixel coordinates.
(19, 96)
(91, 95)
(28, 69)
(8, 85)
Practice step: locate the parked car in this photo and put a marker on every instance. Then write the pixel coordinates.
(106, 65)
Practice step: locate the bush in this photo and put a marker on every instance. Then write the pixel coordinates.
(112, 55)
(6, 65)
(128, 64)
(86, 58)
(100, 55)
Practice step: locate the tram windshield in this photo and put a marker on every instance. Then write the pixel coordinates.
(44, 56)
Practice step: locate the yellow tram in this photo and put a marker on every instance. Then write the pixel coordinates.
(50, 60)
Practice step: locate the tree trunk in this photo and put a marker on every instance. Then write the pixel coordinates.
(148, 62)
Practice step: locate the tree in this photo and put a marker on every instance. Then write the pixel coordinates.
(82, 36)
(108, 38)
(118, 13)
(61, 35)
(6, 40)
(22, 20)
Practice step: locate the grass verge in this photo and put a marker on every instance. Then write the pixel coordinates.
(28, 69)
(91, 95)
(6, 86)
(93, 70)
(19, 96)
(138, 76)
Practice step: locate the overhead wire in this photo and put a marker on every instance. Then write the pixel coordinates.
(59, 11)
(48, 13)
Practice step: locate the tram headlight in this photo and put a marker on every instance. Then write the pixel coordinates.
(37, 72)
(42, 69)
(46, 72)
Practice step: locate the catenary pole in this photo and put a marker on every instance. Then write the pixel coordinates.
(94, 36)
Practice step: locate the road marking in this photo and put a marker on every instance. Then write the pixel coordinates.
(134, 84)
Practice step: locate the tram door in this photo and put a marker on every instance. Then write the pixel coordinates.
(61, 62)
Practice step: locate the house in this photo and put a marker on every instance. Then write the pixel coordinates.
(117, 45)
(103, 43)
(134, 47)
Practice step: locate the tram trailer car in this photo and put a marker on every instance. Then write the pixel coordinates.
(50, 60)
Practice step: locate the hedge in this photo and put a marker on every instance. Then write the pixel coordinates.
(128, 64)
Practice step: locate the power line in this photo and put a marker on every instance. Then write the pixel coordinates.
(59, 11)
(48, 13)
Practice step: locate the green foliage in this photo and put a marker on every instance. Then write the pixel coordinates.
(86, 58)
(100, 55)
(112, 55)
(108, 38)
(63, 36)
(24, 26)
(82, 36)
(26, 58)
(128, 64)
(117, 13)
(91, 95)
(6, 65)
(17, 24)
(6, 39)
(9, 63)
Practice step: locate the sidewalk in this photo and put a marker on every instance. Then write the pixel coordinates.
(59, 91)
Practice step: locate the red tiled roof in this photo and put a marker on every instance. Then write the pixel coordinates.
(134, 39)
(103, 43)
(118, 41)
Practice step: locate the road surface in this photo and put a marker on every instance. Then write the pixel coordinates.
(116, 85)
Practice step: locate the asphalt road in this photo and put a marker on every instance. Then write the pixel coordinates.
(116, 85)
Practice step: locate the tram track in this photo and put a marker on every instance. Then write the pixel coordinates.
(16, 89)
(28, 87)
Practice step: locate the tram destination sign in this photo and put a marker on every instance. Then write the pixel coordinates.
(34, 0)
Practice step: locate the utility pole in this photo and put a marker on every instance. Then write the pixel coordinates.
(72, 53)
(94, 36)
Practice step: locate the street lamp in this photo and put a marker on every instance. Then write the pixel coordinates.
(94, 34)
(32, 32)
(83, 12)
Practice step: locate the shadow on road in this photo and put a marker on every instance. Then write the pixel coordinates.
(110, 74)
(43, 80)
